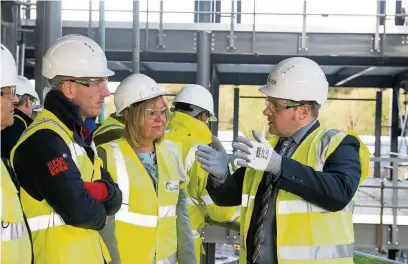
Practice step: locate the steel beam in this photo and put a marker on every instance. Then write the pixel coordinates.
(102, 44)
(377, 128)
(47, 31)
(232, 78)
(9, 26)
(395, 129)
(235, 126)
(215, 91)
(355, 76)
(204, 58)
(271, 47)
(136, 38)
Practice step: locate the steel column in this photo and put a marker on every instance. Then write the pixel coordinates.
(9, 26)
(136, 38)
(215, 91)
(21, 55)
(395, 130)
(235, 126)
(203, 58)
(378, 125)
(48, 29)
(90, 20)
(102, 44)
(209, 257)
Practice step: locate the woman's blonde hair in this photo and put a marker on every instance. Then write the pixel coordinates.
(134, 121)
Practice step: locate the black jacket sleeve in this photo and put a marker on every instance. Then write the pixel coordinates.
(45, 169)
(114, 201)
(10, 136)
(331, 189)
(230, 192)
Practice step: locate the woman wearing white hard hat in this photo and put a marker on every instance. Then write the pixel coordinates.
(15, 247)
(152, 225)
(23, 110)
(296, 189)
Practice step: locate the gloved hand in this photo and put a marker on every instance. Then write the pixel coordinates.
(214, 160)
(258, 155)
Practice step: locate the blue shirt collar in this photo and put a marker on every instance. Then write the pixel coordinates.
(298, 136)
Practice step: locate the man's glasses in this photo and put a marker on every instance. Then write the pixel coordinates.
(99, 82)
(8, 91)
(275, 106)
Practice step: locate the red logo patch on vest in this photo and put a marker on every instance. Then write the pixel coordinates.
(57, 165)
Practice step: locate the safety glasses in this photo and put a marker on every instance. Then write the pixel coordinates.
(8, 91)
(97, 82)
(153, 113)
(275, 106)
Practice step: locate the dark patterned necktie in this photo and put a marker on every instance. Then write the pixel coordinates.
(285, 146)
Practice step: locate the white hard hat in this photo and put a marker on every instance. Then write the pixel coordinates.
(8, 68)
(25, 87)
(297, 79)
(197, 95)
(76, 56)
(135, 88)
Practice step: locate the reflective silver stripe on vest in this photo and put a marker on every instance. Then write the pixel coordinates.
(302, 206)
(245, 199)
(236, 214)
(123, 181)
(192, 201)
(322, 148)
(190, 158)
(167, 211)
(12, 231)
(180, 170)
(196, 234)
(135, 218)
(316, 252)
(45, 221)
(170, 260)
(207, 199)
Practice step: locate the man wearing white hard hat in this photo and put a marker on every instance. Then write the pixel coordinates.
(27, 97)
(192, 108)
(15, 247)
(296, 189)
(66, 194)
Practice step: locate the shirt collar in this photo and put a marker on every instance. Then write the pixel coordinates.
(298, 136)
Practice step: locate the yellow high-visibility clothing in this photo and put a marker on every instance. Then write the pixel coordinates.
(306, 233)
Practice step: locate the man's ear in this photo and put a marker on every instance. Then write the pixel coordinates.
(27, 102)
(68, 89)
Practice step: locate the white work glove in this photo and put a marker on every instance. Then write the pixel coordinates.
(214, 159)
(258, 155)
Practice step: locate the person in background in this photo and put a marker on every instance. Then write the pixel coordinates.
(296, 190)
(16, 247)
(152, 225)
(65, 192)
(109, 130)
(192, 109)
(27, 97)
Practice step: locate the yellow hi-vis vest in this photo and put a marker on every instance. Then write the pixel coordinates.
(53, 240)
(306, 233)
(190, 133)
(146, 223)
(109, 124)
(15, 240)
